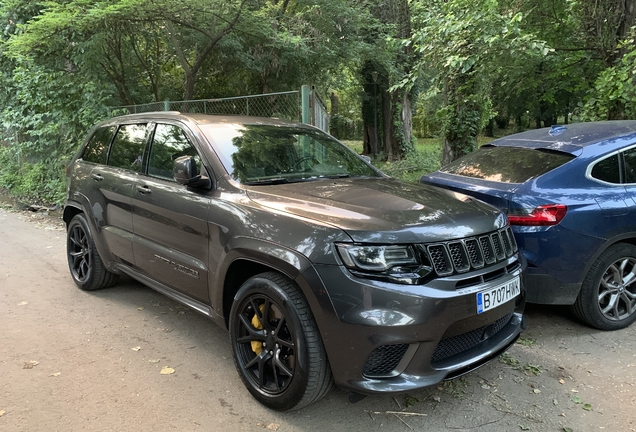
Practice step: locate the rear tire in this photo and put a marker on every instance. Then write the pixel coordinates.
(277, 347)
(607, 300)
(87, 269)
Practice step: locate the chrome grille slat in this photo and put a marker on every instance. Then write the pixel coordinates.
(496, 242)
(438, 256)
(513, 241)
(460, 256)
(506, 242)
(474, 253)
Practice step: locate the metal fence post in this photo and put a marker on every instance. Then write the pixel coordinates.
(247, 106)
(166, 105)
(306, 111)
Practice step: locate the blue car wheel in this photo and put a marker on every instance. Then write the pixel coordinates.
(607, 299)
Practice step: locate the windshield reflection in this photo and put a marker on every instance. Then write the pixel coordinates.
(266, 154)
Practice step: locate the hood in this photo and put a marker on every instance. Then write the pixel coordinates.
(382, 210)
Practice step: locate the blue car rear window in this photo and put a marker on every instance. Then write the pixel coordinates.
(507, 164)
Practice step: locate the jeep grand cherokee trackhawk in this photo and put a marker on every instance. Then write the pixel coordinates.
(322, 268)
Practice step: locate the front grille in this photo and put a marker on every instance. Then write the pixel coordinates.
(460, 256)
(474, 254)
(457, 344)
(383, 360)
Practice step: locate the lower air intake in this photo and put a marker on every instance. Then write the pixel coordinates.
(383, 360)
(457, 344)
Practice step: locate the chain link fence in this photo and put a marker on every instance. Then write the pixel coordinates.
(283, 105)
(319, 113)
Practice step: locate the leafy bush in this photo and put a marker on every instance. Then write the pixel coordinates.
(414, 165)
(34, 181)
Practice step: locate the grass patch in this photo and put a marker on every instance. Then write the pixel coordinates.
(456, 388)
(527, 341)
(509, 360)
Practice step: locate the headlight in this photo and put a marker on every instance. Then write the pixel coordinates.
(375, 258)
(388, 263)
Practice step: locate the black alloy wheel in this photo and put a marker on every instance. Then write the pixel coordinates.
(87, 269)
(276, 344)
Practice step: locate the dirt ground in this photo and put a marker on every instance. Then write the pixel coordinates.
(75, 361)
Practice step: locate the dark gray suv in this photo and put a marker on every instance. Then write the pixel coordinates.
(322, 268)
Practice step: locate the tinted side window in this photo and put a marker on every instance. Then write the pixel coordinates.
(169, 143)
(507, 164)
(629, 157)
(607, 170)
(128, 147)
(97, 148)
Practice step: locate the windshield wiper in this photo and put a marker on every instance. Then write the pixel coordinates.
(336, 176)
(271, 181)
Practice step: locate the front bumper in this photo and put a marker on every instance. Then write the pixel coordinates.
(383, 337)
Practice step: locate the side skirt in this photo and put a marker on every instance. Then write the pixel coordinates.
(173, 294)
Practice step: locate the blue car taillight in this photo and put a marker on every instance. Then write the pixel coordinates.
(543, 215)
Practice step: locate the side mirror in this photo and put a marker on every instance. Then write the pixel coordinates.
(186, 173)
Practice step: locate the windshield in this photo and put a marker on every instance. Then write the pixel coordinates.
(266, 154)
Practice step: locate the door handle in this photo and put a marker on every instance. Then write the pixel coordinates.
(144, 189)
(97, 177)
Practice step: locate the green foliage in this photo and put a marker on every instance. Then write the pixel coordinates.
(461, 61)
(41, 181)
(526, 341)
(463, 41)
(410, 401)
(456, 388)
(614, 93)
(529, 368)
(414, 165)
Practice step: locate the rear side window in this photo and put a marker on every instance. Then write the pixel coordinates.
(169, 143)
(128, 147)
(96, 150)
(629, 159)
(507, 164)
(607, 170)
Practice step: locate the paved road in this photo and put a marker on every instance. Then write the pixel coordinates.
(99, 357)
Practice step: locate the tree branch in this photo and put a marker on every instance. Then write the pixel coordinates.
(177, 48)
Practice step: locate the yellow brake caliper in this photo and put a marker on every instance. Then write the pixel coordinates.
(257, 346)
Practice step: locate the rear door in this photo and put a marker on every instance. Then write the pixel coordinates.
(109, 195)
(170, 220)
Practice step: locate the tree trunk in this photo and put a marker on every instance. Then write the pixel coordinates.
(490, 128)
(335, 123)
(388, 134)
(407, 117)
(465, 112)
(448, 155)
(368, 134)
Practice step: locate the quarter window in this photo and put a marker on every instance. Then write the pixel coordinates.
(607, 170)
(169, 143)
(629, 159)
(96, 150)
(128, 147)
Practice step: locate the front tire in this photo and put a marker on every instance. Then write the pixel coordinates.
(607, 300)
(277, 347)
(87, 269)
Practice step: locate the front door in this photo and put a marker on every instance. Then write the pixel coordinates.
(170, 221)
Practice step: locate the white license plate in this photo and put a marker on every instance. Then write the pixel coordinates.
(499, 295)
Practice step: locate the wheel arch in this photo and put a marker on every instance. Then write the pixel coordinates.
(70, 211)
(629, 238)
(248, 257)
